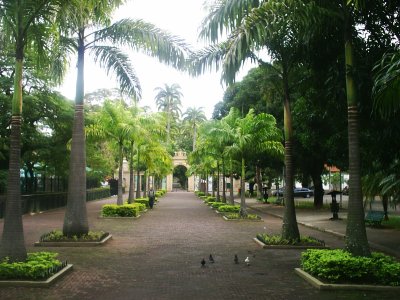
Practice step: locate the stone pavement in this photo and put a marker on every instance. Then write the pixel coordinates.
(158, 257)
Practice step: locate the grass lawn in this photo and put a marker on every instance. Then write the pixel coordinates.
(393, 222)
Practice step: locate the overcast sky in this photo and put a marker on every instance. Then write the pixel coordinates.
(181, 18)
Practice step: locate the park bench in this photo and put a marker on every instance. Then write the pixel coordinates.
(374, 217)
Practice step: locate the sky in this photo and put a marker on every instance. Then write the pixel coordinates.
(179, 17)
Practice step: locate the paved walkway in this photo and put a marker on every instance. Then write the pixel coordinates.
(158, 257)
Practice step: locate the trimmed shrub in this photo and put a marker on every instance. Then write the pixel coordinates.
(144, 201)
(237, 216)
(217, 204)
(199, 194)
(211, 199)
(229, 208)
(339, 266)
(114, 210)
(38, 266)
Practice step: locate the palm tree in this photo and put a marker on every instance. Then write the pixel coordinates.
(168, 99)
(194, 116)
(253, 25)
(253, 132)
(25, 24)
(87, 27)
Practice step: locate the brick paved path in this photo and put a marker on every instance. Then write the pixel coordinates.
(158, 257)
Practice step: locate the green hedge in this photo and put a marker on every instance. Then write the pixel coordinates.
(38, 266)
(339, 266)
(126, 210)
(229, 208)
(217, 204)
(144, 201)
(199, 194)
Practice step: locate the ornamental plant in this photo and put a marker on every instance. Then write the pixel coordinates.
(229, 208)
(278, 240)
(126, 210)
(58, 236)
(340, 266)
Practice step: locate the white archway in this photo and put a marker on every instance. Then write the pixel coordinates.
(180, 159)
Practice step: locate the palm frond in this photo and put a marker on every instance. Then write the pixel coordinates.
(143, 36)
(113, 59)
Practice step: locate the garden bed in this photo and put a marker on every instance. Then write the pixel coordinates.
(238, 217)
(40, 269)
(56, 239)
(339, 269)
(276, 242)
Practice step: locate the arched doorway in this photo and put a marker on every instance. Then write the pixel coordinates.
(180, 167)
(180, 180)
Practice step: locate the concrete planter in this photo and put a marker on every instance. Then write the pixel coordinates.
(38, 283)
(243, 220)
(331, 286)
(73, 244)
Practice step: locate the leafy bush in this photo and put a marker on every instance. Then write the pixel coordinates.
(278, 240)
(58, 236)
(237, 216)
(217, 204)
(114, 210)
(339, 266)
(211, 199)
(38, 265)
(229, 208)
(143, 200)
(199, 194)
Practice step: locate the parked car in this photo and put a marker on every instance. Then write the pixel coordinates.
(297, 192)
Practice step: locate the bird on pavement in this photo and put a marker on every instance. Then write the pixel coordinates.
(211, 259)
(236, 259)
(247, 261)
(203, 263)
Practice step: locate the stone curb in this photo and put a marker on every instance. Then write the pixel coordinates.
(265, 246)
(32, 283)
(73, 244)
(331, 286)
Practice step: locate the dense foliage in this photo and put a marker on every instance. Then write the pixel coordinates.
(339, 266)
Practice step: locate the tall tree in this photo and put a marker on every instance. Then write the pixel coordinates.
(168, 100)
(194, 116)
(25, 25)
(88, 29)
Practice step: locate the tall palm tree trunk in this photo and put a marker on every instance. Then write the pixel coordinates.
(131, 196)
(290, 230)
(138, 174)
(223, 181)
(356, 236)
(231, 198)
(243, 211)
(12, 242)
(120, 200)
(259, 183)
(75, 219)
(218, 194)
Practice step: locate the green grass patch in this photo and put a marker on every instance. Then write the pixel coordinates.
(339, 266)
(58, 236)
(278, 240)
(393, 222)
(38, 266)
(217, 204)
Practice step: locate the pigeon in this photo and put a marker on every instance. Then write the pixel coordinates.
(236, 259)
(211, 259)
(203, 263)
(247, 261)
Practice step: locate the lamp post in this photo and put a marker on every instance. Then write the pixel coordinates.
(334, 205)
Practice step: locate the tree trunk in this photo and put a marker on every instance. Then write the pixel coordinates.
(385, 200)
(218, 196)
(356, 236)
(231, 197)
(243, 211)
(223, 181)
(290, 230)
(138, 175)
(120, 200)
(318, 189)
(131, 196)
(75, 219)
(259, 182)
